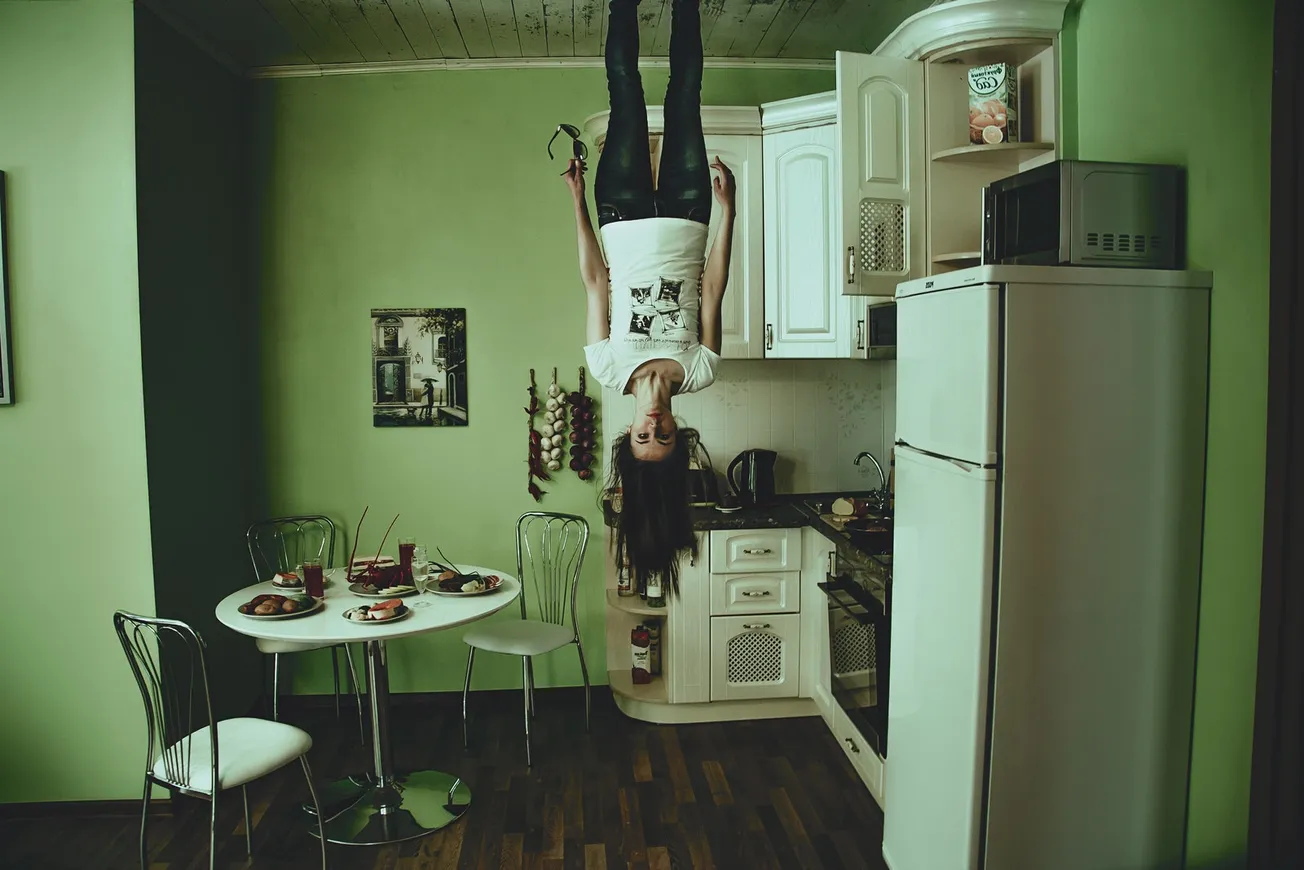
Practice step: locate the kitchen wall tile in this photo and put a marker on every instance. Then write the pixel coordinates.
(817, 414)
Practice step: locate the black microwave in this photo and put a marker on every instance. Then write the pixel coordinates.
(1087, 213)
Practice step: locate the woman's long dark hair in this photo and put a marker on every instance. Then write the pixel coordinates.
(654, 528)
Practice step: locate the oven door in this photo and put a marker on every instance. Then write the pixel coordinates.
(859, 649)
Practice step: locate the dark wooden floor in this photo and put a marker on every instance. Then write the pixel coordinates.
(764, 794)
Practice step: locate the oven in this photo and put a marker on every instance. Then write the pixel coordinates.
(860, 640)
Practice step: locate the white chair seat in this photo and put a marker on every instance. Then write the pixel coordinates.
(527, 637)
(272, 647)
(247, 749)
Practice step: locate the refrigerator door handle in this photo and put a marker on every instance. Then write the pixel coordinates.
(958, 463)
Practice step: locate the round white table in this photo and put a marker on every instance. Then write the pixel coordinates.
(384, 806)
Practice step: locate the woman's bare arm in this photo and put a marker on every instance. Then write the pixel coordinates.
(593, 268)
(715, 278)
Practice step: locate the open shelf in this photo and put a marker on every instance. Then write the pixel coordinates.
(959, 259)
(1015, 50)
(623, 682)
(633, 604)
(1010, 153)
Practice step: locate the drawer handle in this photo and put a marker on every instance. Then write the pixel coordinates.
(852, 744)
(752, 593)
(756, 626)
(757, 551)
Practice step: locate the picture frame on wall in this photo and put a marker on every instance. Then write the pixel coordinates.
(6, 344)
(418, 367)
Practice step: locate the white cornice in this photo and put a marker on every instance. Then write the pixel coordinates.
(962, 21)
(399, 66)
(718, 120)
(798, 112)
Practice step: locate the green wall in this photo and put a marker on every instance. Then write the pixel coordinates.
(197, 321)
(1189, 82)
(73, 500)
(430, 189)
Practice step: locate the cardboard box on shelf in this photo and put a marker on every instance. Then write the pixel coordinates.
(993, 104)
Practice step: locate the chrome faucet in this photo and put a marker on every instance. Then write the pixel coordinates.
(882, 478)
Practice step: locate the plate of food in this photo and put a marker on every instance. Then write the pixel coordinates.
(368, 590)
(280, 606)
(384, 611)
(290, 580)
(454, 584)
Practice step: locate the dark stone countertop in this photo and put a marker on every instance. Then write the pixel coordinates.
(789, 511)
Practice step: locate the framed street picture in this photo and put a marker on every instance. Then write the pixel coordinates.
(6, 345)
(418, 367)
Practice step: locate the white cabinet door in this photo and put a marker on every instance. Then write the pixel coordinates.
(805, 313)
(755, 656)
(881, 154)
(686, 638)
(742, 312)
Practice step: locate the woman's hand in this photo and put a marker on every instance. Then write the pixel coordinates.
(723, 185)
(574, 176)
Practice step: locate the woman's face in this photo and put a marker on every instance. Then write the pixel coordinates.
(652, 436)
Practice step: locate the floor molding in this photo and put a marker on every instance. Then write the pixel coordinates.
(56, 809)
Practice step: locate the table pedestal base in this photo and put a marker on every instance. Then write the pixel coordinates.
(339, 795)
(409, 806)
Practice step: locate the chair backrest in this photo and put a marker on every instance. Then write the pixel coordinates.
(282, 543)
(167, 659)
(549, 555)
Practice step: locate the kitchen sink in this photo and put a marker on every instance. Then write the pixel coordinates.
(871, 534)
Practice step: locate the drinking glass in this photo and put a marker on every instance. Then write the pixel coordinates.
(313, 583)
(406, 546)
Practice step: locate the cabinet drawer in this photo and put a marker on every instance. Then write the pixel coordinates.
(755, 593)
(747, 551)
(754, 656)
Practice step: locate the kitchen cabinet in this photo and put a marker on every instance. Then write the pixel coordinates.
(755, 656)
(941, 43)
(805, 316)
(741, 313)
(880, 130)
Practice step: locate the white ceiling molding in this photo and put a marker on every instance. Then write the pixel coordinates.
(399, 66)
(965, 21)
(800, 112)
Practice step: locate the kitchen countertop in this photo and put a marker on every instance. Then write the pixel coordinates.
(789, 511)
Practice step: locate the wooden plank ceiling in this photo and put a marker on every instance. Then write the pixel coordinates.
(253, 34)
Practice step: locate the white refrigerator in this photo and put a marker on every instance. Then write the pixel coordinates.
(1050, 463)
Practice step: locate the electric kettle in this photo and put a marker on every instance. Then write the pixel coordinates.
(751, 475)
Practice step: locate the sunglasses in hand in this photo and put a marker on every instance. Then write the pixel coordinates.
(579, 150)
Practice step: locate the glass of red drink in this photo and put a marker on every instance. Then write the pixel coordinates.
(313, 583)
(406, 547)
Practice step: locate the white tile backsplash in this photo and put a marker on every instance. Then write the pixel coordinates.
(817, 414)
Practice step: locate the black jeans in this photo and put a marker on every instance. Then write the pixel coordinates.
(623, 188)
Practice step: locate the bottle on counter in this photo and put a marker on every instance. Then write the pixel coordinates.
(655, 593)
(640, 642)
(624, 581)
(654, 647)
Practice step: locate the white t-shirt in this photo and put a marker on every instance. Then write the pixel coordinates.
(656, 299)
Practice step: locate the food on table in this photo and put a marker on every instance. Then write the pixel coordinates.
(276, 605)
(286, 580)
(371, 589)
(467, 582)
(391, 609)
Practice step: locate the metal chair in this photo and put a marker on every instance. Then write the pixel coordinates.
(188, 752)
(280, 545)
(549, 553)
